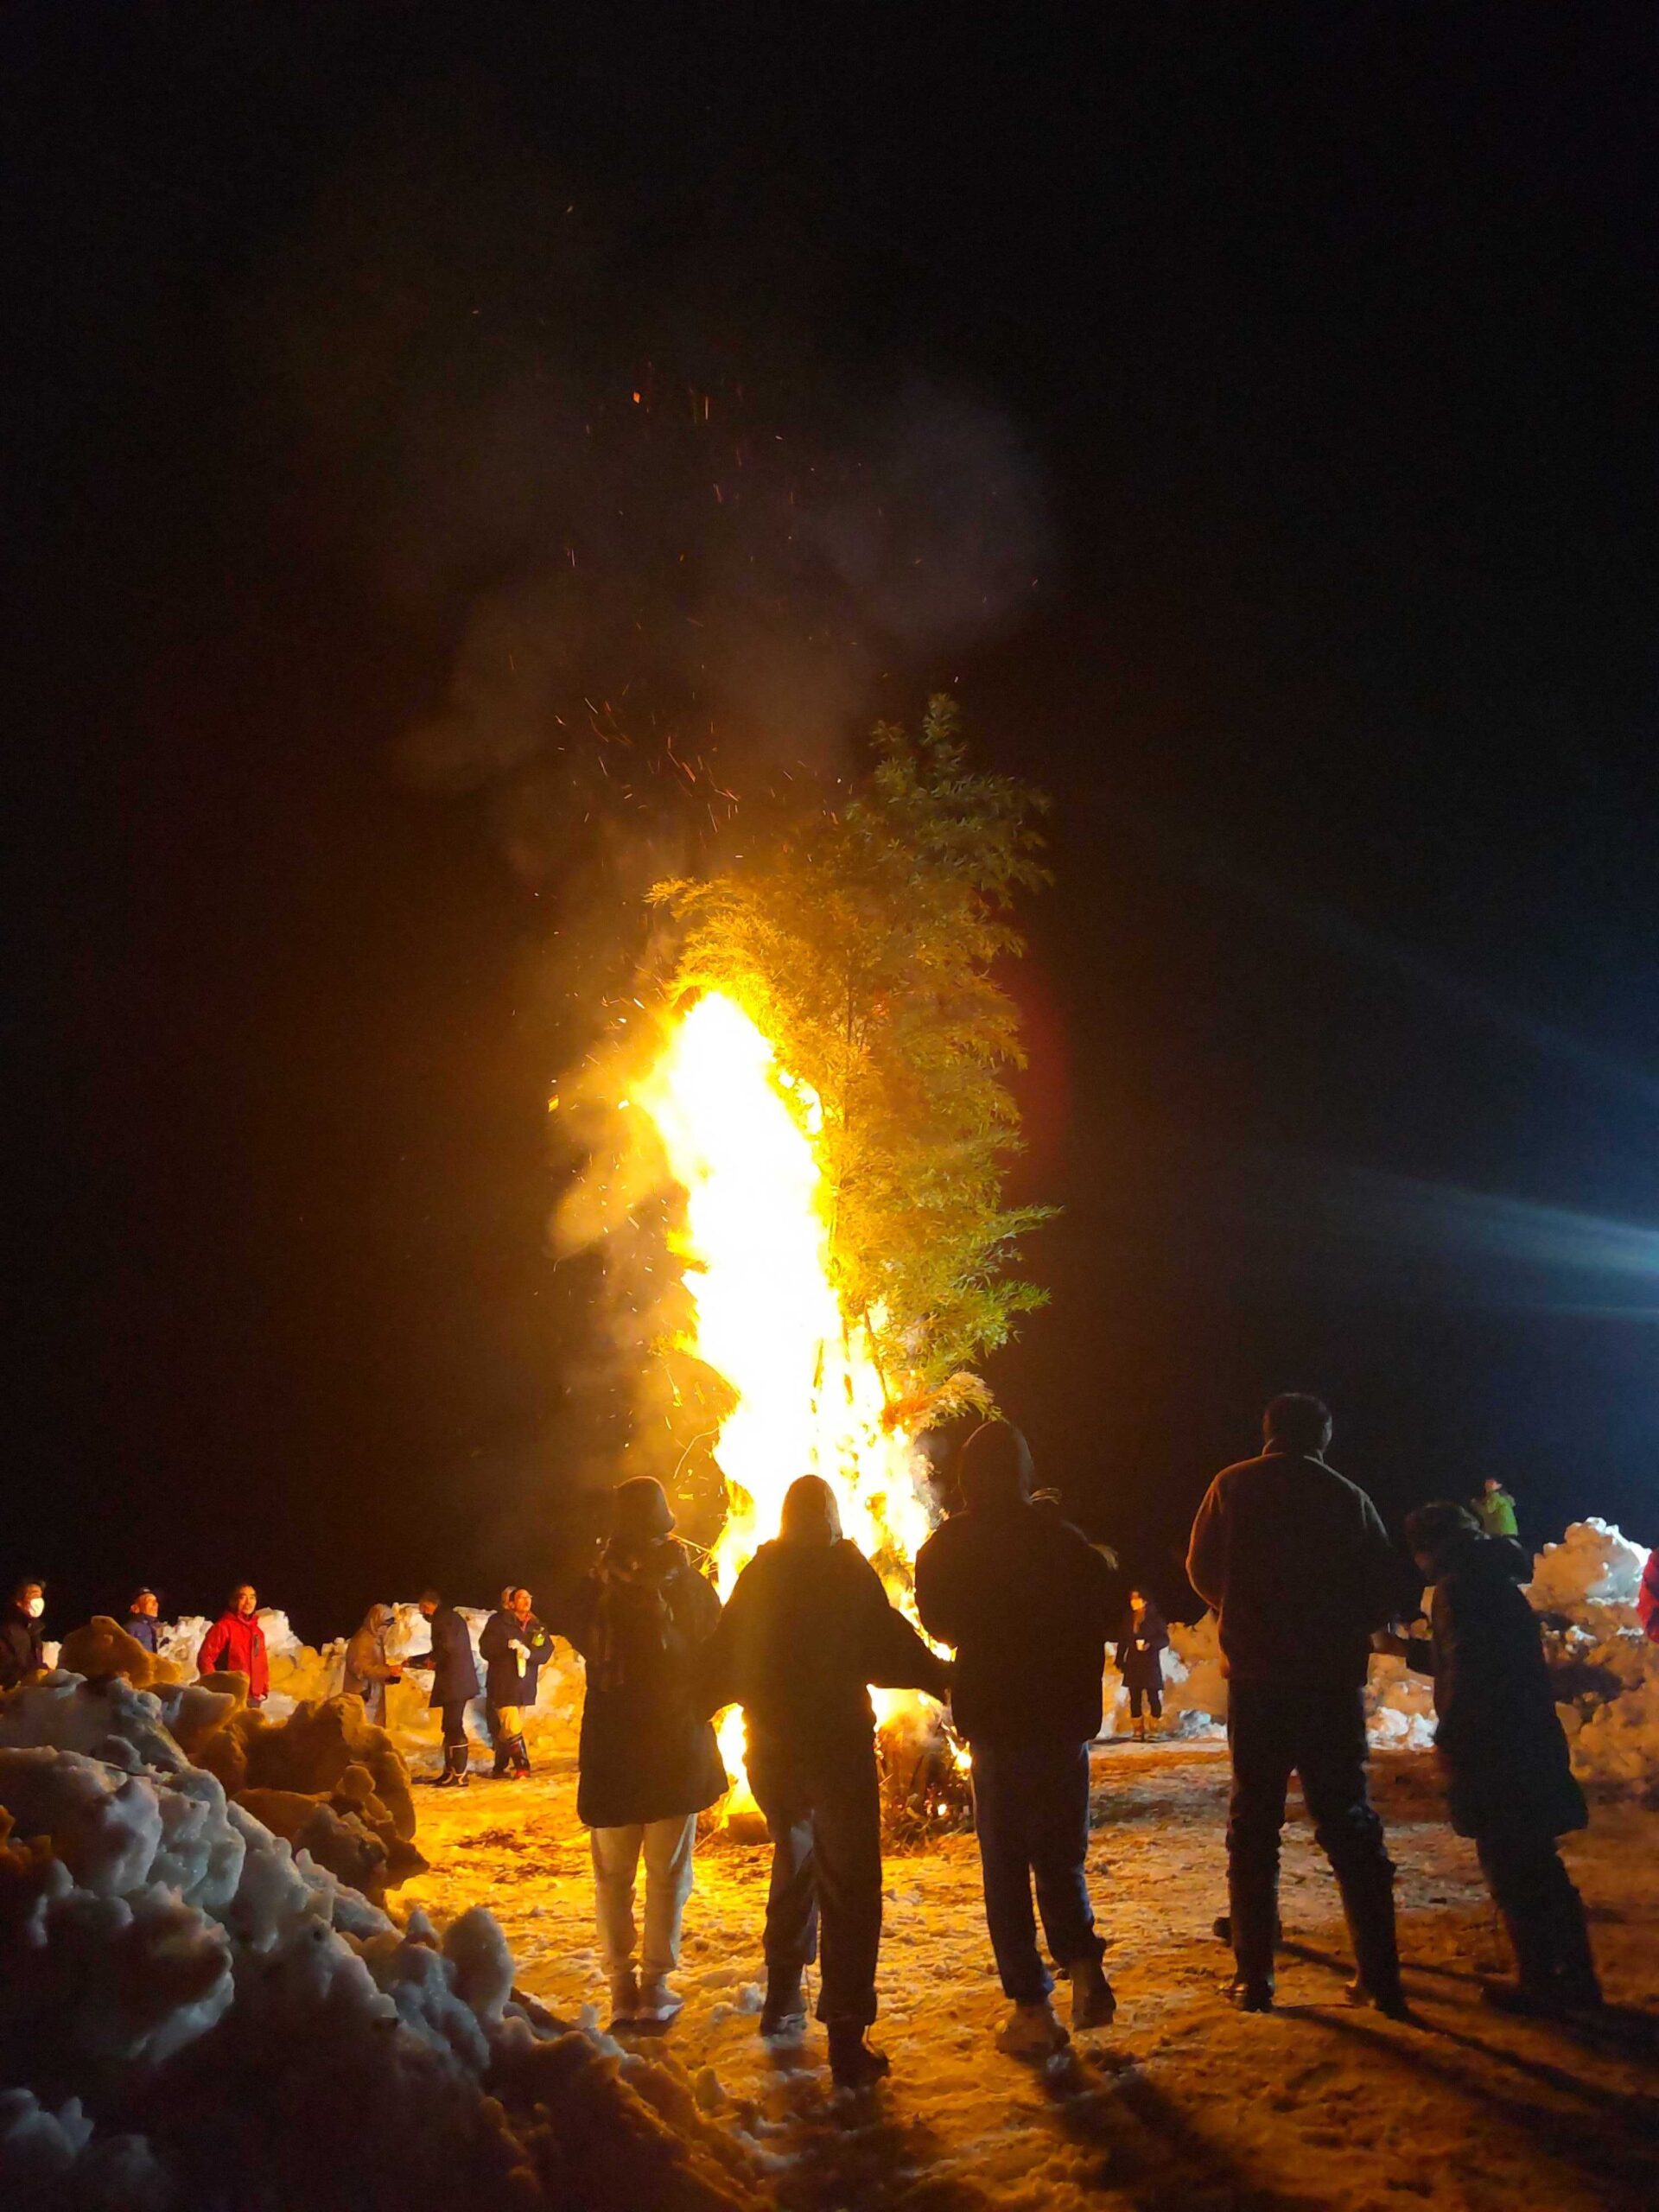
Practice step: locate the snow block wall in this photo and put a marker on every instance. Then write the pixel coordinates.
(190, 2009)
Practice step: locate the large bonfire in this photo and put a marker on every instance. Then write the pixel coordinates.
(824, 1096)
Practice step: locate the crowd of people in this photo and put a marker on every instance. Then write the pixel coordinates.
(1305, 1583)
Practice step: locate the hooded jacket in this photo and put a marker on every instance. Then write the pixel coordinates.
(640, 1620)
(807, 1630)
(367, 1667)
(236, 1646)
(1139, 1651)
(1298, 1567)
(1500, 1743)
(21, 1642)
(1028, 1603)
(510, 1677)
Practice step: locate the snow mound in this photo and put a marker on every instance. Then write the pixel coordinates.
(188, 2003)
(1594, 1566)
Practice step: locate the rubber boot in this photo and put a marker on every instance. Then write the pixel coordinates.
(1252, 1921)
(783, 2012)
(503, 1759)
(1094, 2003)
(853, 2063)
(520, 1758)
(454, 1774)
(1368, 1905)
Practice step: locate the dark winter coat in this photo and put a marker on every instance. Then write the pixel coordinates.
(640, 1621)
(1298, 1567)
(505, 1683)
(454, 1671)
(1028, 1603)
(1500, 1742)
(142, 1629)
(21, 1649)
(1139, 1651)
(233, 1646)
(806, 1630)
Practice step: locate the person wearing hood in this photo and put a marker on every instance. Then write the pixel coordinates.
(22, 1652)
(235, 1644)
(1298, 1569)
(143, 1623)
(807, 1630)
(1142, 1640)
(514, 1647)
(1509, 1781)
(647, 1760)
(1028, 1603)
(455, 1683)
(368, 1671)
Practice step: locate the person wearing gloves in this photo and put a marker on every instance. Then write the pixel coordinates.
(455, 1682)
(648, 1759)
(236, 1644)
(515, 1647)
(142, 1624)
(1028, 1603)
(21, 1634)
(807, 1630)
(1142, 1640)
(1501, 1746)
(368, 1671)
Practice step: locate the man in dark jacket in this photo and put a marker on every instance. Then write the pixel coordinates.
(142, 1624)
(235, 1644)
(21, 1634)
(515, 1647)
(1142, 1640)
(648, 1760)
(808, 1628)
(1503, 1750)
(1028, 1604)
(455, 1682)
(1300, 1571)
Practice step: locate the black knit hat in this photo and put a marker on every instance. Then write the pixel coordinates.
(640, 1512)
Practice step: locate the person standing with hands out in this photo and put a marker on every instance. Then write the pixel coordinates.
(368, 1671)
(236, 1644)
(1028, 1604)
(1501, 1746)
(648, 1762)
(1298, 1569)
(455, 1682)
(514, 1648)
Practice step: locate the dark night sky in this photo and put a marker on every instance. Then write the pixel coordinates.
(1304, 358)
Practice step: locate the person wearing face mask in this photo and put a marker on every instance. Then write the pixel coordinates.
(21, 1633)
(236, 1644)
(142, 1624)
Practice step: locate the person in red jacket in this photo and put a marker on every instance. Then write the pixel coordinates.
(1647, 1597)
(236, 1644)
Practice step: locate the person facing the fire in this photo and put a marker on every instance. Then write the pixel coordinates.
(515, 1647)
(455, 1682)
(1028, 1604)
(1298, 1567)
(22, 1652)
(1142, 1640)
(807, 1630)
(142, 1622)
(647, 1758)
(368, 1669)
(235, 1644)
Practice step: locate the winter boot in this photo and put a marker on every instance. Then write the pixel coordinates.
(625, 1997)
(783, 2012)
(1032, 2032)
(1139, 1727)
(503, 1759)
(1093, 2002)
(1368, 1904)
(520, 1758)
(853, 2063)
(658, 2004)
(456, 1775)
(1252, 1924)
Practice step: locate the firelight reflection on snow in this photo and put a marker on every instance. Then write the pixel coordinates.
(740, 1133)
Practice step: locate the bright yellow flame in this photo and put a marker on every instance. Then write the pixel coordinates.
(740, 1133)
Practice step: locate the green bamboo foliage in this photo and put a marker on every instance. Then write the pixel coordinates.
(863, 939)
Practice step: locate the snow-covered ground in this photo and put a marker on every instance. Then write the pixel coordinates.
(1183, 2103)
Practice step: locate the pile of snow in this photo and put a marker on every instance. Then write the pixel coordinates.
(191, 2009)
(1591, 1574)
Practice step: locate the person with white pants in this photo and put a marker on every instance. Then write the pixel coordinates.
(648, 1760)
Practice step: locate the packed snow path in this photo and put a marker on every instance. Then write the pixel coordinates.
(1183, 2103)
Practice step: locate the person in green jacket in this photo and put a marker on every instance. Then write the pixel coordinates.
(1495, 1509)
